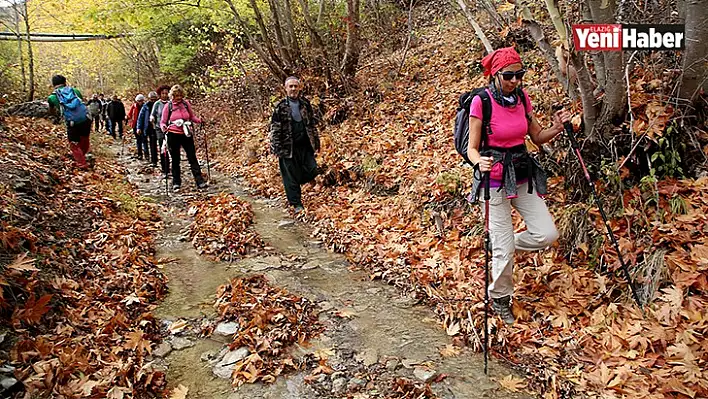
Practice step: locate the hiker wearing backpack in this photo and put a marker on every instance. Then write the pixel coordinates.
(177, 122)
(116, 114)
(147, 130)
(294, 140)
(68, 101)
(104, 113)
(95, 108)
(500, 117)
(155, 116)
(141, 140)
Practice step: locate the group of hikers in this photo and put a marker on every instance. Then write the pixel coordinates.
(500, 117)
(163, 125)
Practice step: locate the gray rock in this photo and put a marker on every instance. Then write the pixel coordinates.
(321, 378)
(179, 343)
(392, 364)
(226, 366)
(163, 349)
(424, 374)
(339, 385)
(226, 328)
(6, 383)
(285, 223)
(356, 383)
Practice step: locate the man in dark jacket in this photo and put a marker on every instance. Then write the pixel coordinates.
(294, 139)
(95, 107)
(116, 113)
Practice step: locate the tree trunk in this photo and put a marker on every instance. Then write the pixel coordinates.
(264, 33)
(695, 56)
(615, 99)
(597, 60)
(477, 29)
(294, 46)
(408, 39)
(316, 39)
(590, 109)
(275, 68)
(30, 89)
(352, 45)
(558, 22)
(20, 52)
(284, 53)
(320, 12)
(549, 54)
(497, 19)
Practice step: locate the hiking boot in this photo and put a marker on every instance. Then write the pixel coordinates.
(176, 187)
(299, 209)
(202, 185)
(502, 307)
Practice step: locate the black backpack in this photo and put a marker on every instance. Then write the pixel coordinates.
(462, 121)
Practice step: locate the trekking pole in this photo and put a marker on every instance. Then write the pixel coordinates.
(486, 269)
(165, 154)
(206, 150)
(574, 144)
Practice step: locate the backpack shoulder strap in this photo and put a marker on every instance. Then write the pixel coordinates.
(486, 116)
(522, 98)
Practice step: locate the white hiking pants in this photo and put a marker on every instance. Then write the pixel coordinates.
(540, 233)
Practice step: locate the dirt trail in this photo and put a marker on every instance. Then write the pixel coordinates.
(383, 334)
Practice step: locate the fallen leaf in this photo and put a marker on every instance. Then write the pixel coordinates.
(512, 383)
(180, 392)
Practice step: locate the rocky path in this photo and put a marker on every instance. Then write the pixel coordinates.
(372, 336)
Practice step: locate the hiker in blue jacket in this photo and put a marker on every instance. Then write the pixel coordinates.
(146, 129)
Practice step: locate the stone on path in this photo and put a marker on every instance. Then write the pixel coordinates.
(179, 343)
(226, 329)
(226, 366)
(162, 350)
(424, 374)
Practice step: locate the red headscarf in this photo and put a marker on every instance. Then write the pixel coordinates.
(500, 59)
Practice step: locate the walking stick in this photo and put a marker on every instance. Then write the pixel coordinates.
(574, 144)
(165, 154)
(206, 150)
(486, 269)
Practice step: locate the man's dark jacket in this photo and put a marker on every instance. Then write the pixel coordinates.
(116, 110)
(281, 134)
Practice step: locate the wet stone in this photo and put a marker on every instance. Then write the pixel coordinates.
(7, 382)
(356, 383)
(424, 374)
(392, 364)
(226, 366)
(226, 328)
(179, 343)
(163, 349)
(286, 223)
(339, 385)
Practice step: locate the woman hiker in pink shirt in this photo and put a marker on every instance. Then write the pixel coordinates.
(514, 173)
(176, 122)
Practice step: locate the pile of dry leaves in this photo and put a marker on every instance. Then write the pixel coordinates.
(222, 228)
(77, 275)
(270, 321)
(394, 205)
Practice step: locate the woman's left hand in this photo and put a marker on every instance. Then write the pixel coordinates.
(559, 118)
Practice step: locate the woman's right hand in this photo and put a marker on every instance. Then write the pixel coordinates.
(485, 164)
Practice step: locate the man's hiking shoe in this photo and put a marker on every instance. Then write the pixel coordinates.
(502, 307)
(176, 187)
(202, 185)
(299, 209)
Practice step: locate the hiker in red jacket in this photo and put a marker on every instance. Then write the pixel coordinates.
(177, 122)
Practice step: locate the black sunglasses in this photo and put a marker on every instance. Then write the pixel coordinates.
(508, 75)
